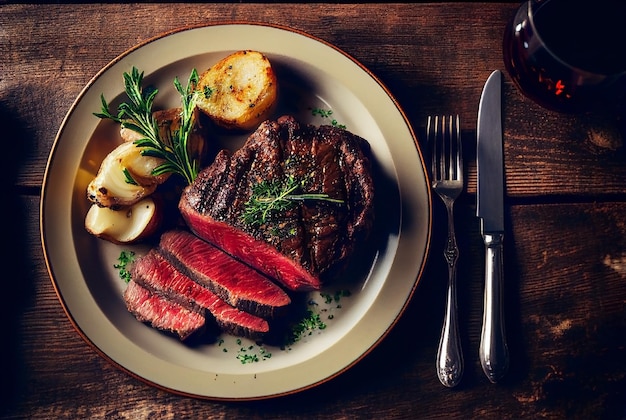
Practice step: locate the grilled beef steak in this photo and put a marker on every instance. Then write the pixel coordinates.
(162, 313)
(305, 244)
(231, 280)
(156, 274)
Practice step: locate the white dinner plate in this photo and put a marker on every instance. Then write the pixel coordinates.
(311, 74)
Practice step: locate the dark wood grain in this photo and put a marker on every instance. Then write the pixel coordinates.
(565, 261)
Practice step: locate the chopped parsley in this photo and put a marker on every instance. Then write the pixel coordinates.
(125, 259)
(320, 309)
(328, 298)
(252, 354)
(308, 324)
(326, 113)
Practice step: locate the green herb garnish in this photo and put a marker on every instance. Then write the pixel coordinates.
(336, 297)
(128, 178)
(245, 358)
(311, 322)
(207, 92)
(275, 196)
(137, 115)
(125, 259)
(327, 113)
(324, 113)
(247, 355)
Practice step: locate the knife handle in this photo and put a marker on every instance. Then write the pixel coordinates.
(493, 351)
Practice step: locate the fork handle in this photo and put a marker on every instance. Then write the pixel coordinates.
(449, 353)
(493, 350)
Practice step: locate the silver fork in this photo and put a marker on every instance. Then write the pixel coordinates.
(444, 137)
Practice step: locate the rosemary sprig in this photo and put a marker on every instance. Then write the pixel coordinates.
(137, 115)
(275, 196)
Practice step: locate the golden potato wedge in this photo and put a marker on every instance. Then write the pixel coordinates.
(240, 91)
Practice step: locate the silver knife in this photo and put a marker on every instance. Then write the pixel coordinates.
(493, 351)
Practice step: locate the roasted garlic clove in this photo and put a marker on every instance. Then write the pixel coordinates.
(126, 225)
(124, 177)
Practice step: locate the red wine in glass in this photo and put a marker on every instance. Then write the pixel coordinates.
(569, 55)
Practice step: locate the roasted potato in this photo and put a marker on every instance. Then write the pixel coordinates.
(240, 91)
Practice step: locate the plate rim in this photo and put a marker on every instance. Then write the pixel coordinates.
(42, 206)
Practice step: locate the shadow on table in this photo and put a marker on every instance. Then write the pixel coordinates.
(17, 283)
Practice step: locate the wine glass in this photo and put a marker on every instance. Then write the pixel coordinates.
(569, 55)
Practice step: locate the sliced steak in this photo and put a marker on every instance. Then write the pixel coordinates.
(162, 313)
(309, 242)
(158, 275)
(231, 280)
(256, 253)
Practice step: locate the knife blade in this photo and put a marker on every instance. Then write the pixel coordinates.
(493, 351)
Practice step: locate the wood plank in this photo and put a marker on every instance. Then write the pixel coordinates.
(565, 211)
(404, 48)
(565, 299)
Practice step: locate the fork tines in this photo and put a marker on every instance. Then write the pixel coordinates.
(443, 134)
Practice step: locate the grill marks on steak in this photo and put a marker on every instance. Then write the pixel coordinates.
(159, 276)
(161, 313)
(313, 240)
(234, 282)
(226, 269)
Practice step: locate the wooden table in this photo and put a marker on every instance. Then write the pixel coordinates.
(565, 259)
